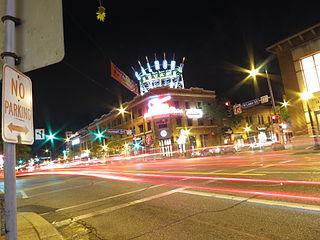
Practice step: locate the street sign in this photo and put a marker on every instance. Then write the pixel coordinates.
(39, 38)
(119, 131)
(237, 109)
(17, 113)
(39, 134)
(250, 103)
(264, 99)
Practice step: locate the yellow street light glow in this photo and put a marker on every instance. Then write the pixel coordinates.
(253, 72)
(285, 104)
(121, 110)
(105, 147)
(187, 132)
(306, 95)
(67, 140)
(247, 129)
(46, 150)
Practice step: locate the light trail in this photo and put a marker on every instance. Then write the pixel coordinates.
(80, 173)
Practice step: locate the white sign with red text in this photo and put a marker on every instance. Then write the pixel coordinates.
(17, 113)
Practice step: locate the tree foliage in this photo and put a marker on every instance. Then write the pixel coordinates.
(217, 112)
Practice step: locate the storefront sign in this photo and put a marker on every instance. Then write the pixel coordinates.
(160, 106)
(194, 113)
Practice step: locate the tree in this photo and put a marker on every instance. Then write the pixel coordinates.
(283, 114)
(217, 112)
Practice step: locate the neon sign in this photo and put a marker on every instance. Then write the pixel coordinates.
(160, 74)
(194, 113)
(159, 106)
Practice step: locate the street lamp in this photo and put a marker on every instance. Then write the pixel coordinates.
(305, 96)
(253, 73)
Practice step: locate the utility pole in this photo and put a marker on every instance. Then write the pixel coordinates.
(9, 56)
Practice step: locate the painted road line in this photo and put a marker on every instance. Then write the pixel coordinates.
(315, 172)
(113, 208)
(200, 173)
(301, 206)
(23, 194)
(64, 189)
(106, 198)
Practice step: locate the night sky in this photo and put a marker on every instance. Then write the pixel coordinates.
(70, 94)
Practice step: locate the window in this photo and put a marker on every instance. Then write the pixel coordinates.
(176, 104)
(149, 126)
(204, 140)
(200, 122)
(198, 105)
(311, 72)
(140, 128)
(179, 121)
(189, 121)
(187, 105)
(163, 125)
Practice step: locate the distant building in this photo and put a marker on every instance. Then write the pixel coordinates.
(163, 118)
(257, 126)
(299, 60)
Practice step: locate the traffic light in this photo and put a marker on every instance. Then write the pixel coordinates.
(274, 118)
(228, 106)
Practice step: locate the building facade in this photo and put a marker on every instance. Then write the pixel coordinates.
(257, 126)
(162, 120)
(299, 61)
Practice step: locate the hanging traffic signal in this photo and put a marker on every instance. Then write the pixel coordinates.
(228, 106)
(274, 118)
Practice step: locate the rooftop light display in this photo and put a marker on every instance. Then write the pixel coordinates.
(160, 73)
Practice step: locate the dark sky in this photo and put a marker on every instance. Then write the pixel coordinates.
(70, 94)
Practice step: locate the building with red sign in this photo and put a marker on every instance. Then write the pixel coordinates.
(163, 119)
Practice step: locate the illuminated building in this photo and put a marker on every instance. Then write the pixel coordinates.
(257, 127)
(299, 61)
(164, 118)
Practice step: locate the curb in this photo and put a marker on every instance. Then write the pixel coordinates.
(33, 226)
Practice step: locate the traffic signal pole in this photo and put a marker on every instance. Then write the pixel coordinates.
(273, 105)
(10, 148)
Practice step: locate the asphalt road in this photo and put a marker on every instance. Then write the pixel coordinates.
(270, 195)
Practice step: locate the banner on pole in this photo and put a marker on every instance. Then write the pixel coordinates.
(121, 77)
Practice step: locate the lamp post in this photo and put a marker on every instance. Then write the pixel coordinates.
(253, 73)
(123, 111)
(306, 96)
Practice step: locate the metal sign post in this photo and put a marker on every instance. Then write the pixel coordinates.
(10, 148)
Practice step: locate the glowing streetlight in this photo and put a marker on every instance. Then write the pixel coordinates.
(305, 96)
(247, 129)
(253, 72)
(285, 104)
(121, 110)
(51, 136)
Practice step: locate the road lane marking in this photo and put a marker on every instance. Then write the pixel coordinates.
(204, 173)
(254, 200)
(23, 194)
(103, 199)
(117, 207)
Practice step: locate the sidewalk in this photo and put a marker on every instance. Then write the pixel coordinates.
(32, 226)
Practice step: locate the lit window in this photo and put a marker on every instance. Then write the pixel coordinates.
(311, 72)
